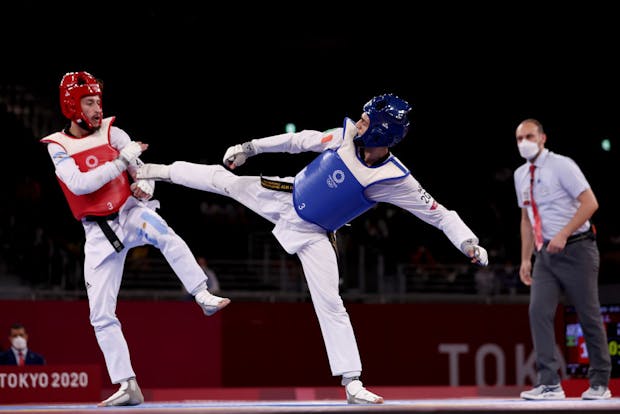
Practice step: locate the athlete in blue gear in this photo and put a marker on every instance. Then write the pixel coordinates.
(354, 171)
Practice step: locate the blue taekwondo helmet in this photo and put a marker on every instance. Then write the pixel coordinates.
(388, 121)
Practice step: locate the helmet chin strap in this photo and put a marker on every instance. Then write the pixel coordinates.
(85, 125)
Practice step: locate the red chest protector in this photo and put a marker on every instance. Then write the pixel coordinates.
(88, 153)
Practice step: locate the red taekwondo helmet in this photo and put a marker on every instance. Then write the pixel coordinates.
(389, 121)
(73, 87)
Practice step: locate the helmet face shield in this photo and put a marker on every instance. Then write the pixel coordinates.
(73, 87)
(389, 121)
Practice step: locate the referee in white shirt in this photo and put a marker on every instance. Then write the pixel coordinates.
(567, 262)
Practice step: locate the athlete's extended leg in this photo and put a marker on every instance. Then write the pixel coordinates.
(216, 179)
(144, 225)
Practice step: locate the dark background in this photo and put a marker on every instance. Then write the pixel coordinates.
(192, 79)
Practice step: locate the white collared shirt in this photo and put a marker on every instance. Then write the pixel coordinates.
(558, 181)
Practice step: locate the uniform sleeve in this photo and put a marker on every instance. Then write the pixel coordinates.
(409, 195)
(572, 178)
(118, 139)
(79, 182)
(303, 141)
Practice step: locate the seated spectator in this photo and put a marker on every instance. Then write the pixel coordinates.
(19, 354)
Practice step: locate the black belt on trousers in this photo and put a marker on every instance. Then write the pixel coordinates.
(590, 234)
(288, 187)
(276, 185)
(102, 221)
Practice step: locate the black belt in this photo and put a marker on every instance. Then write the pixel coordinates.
(276, 185)
(590, 234)
(102, 221)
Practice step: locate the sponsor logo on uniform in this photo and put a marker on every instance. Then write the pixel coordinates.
(337, 177)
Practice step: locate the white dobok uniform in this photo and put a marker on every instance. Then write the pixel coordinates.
(136, 224)
(310, 241)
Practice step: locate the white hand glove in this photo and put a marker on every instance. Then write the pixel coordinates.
(130, 152)
(236, 155)
(143, 189)
(477, 253)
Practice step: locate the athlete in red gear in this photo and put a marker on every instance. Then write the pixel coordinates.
(94, 161)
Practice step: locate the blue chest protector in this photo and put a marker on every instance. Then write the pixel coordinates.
(330, 190)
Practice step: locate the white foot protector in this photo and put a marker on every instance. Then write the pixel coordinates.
(357, 394)
(210, 303)
(129, 393)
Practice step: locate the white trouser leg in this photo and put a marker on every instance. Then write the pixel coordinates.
(140, 225)
(201, 177)
(247, 190)
(321, 270)
(102, 285)
(145, 226)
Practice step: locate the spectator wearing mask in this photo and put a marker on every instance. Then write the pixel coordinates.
(19, 354)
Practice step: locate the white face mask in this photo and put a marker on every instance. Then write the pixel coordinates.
(18, 343)
(528, 149)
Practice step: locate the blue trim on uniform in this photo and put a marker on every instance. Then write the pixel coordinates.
(60, 156)
(61, 160)
(156, 224)
(400, 166)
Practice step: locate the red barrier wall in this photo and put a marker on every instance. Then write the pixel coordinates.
(281, 344)
(260, 344)
(172, 343)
